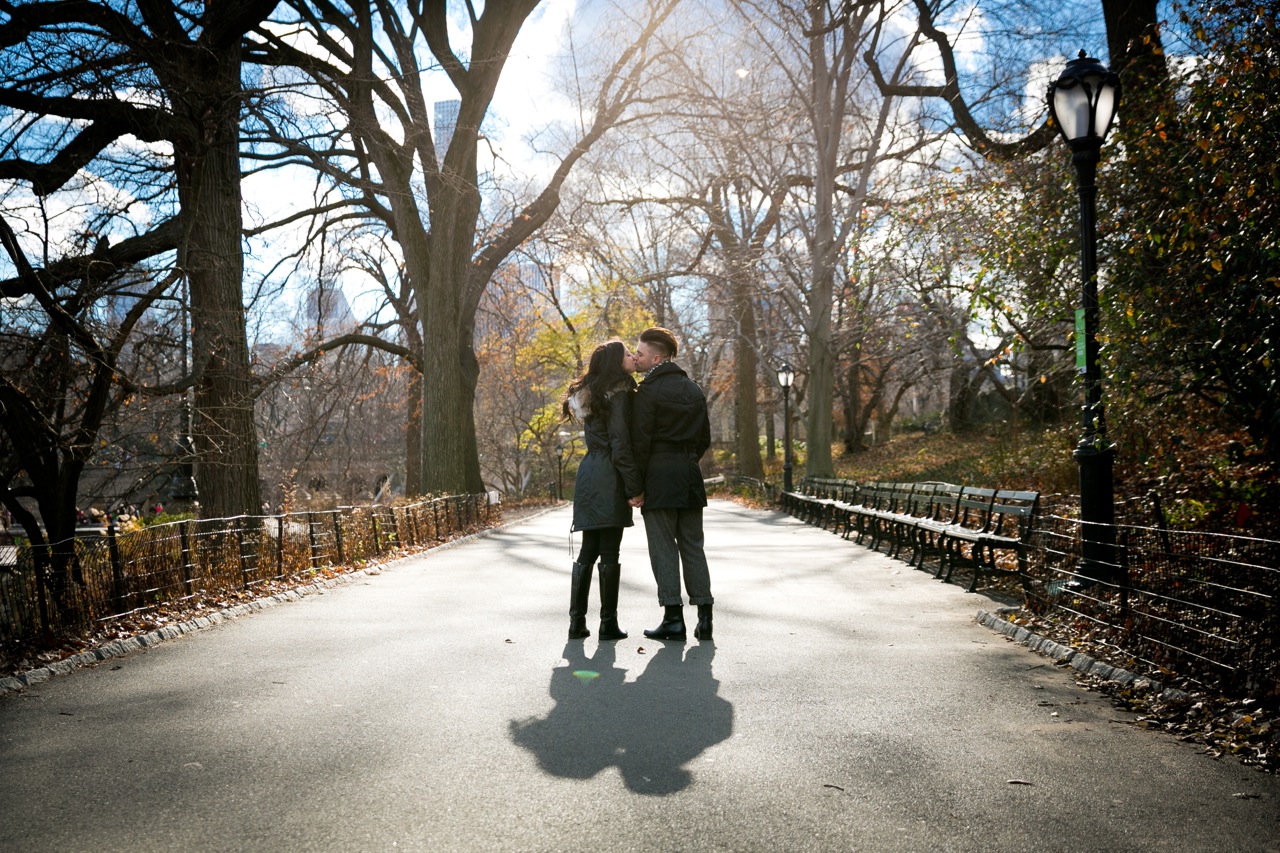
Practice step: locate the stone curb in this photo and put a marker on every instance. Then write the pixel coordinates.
(117, 648)
(1077, 660)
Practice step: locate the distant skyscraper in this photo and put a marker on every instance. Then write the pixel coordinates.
(327, 307)
(446, 121)
(535, 278)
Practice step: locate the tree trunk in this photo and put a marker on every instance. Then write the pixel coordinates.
(450, 454)
(850, 403)
(827, 102)
(1133, 42)
(208, 172)
(960, 401)
(413, 437)
(746, 379)
(771, 434)
(821, 357)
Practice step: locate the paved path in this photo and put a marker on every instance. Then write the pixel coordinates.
(848, 703)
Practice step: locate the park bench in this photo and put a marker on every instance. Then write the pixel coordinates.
(806, 502)
(871, 515)
(821, 501)
(962, 525)
(989, 521)
(1013, 515)
(884, 521)
(842, 497)
(940, 512)
(913, 507)
(870, 499)
(969, 522)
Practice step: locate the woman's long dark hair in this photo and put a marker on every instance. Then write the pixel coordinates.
(605, 373)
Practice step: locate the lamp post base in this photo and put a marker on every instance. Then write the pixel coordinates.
(1098, 563)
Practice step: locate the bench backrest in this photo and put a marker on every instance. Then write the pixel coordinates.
(876, 495)
(847, 492)
(900, 496)
(974, 508)
(814, 486)
(822, 487)
(920, 502)
(1013, 512)
(944, 503)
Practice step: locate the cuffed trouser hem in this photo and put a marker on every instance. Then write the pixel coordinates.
(676, 543)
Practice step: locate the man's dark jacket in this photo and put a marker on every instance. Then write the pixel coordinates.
(669, 433)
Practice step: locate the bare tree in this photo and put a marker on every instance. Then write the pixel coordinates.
(87, 74)
(727, 173)
(62, 378)
(367, 59)
(852, 134)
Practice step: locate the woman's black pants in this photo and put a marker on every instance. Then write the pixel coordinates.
(602, 544)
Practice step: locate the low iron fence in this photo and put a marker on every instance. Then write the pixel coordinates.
(115, 574)
(737, 484)
(1204, 606)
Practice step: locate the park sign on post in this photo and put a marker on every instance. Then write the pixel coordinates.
(1081, 360)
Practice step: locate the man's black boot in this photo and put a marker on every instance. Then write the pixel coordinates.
(672, 627)
(703, 631)
(579, 590)
(610, 577)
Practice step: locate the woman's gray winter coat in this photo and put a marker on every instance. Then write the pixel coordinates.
(607, 475)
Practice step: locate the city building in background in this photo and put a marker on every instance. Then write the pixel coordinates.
(446, 121)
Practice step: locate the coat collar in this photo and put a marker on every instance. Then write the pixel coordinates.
(660, 370)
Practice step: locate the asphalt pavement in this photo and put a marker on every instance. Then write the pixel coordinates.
(848, 702)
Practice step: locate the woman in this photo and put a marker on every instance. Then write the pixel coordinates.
(607, 477)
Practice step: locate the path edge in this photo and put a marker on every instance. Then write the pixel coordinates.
(1084, 664)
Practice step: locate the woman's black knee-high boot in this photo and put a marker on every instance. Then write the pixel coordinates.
(610, 577)
(672, 627)
(579, 591)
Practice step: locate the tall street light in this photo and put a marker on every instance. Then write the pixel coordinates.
(1083, 104)
(786, 376)
(560, 471)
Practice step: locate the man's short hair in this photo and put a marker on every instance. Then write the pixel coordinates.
(660, 338)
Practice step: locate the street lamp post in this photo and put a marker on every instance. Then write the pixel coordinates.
(786, 376)
(1083, 102)
(560, 471)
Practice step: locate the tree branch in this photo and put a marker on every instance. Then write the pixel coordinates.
(288, 365)
(978, 138)
(102, 264)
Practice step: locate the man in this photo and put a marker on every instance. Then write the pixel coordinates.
(669, 433)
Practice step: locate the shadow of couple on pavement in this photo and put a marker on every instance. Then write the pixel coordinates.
(649, 728)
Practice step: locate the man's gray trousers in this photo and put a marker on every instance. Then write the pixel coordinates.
(675, 541)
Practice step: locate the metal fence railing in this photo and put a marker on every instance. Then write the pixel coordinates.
(736, 484)
(114, 574)
(1205, 606)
